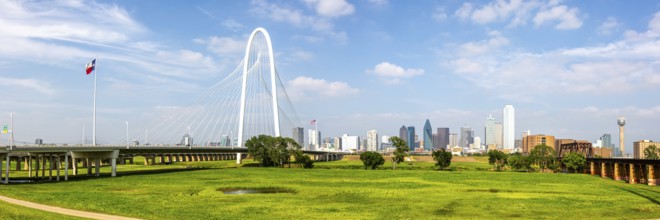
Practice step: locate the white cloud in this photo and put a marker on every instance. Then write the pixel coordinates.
(331, 8)
(302, 55)
(518, 12)
(33, 84)
(654, 24)
(233, 25)
(224, 46)
(610, 25)
(308, 88)
(495, 41)
(392, 73)
(439, 14)
(566, 18)
(463, 65)
(379, 2)
(464, 11)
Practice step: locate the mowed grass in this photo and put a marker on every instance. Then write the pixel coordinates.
(344, 190)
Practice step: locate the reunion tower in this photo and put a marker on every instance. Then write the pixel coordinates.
(621, 121)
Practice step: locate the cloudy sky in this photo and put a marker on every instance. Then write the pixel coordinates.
(570, 68)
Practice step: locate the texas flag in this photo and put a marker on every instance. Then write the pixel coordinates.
(90, 67)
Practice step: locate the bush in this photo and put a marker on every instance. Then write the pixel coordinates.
(372, 160)
(497, 159)
(519, 162)
(574, 162)
(306, 162)
(442, 158)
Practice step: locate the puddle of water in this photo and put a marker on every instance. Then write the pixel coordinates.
(241, 191)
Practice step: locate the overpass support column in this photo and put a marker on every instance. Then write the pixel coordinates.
(632, 175)
(652, 181)
(617, 171)
(239, 160)
(29, 165)
(1, 171)
(66, 166)
(592, 168)
(603, 170)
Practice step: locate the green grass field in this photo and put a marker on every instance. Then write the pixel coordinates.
(343, 190)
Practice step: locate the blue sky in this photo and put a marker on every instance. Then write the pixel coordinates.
(570, 68)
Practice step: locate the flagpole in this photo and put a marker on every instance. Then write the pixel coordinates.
(94, 110)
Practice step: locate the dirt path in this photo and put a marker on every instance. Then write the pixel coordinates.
(63, 211)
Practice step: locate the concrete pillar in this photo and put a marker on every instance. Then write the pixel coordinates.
(50, 167)
(603, 170)
(162, 159)
(89, 166)
(617, 172)
(58, 167)
(146, 160)
(66, 166)
(652, 175)
(7, 169)
(18, 163)
(239, 159)
(592, 168)
(36, 166)
(29, 166)
(97, 165)
(43, 166)
(1, 171)
(113, 163)
(632, 177)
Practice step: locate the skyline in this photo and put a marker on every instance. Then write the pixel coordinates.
(570, 69)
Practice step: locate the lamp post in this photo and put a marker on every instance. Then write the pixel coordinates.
(127, 141)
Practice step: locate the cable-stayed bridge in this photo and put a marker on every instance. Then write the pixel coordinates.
(250, 101)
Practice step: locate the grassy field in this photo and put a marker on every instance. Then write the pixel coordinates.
(343, 189)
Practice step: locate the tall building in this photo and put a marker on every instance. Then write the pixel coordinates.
(411, 138)
(350, 142)
(384, 141)
(372, 140)
(403, 133)
(508, 127)
(640, 146)
(489, 130)
(621, 122)
(338, 145)
(298, 134)
(428, 136)
(314, 139)
(476, 145)
(467, 136)
(607, 140)
(442, 138)
(530, 141)
(453, 140)
(499, 134)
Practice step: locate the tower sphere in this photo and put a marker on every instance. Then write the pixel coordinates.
(621, 121)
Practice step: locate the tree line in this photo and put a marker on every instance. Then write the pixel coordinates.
(542, 155)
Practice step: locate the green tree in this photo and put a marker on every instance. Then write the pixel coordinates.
(372, 160)
(272, 151)
(651, 152)
(307, 162)
(519, 162)
(258, 147)
(442, 158)
(401, 150)
(497, 159)
(574, 162)
(543, 155)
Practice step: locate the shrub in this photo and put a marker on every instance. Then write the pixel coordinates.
(372, 160)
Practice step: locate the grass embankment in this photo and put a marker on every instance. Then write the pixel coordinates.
(330, 191)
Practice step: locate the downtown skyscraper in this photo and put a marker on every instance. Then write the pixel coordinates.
(428, 136)
(508, 127)
(489, 131)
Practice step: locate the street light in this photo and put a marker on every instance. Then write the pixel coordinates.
(127, 144)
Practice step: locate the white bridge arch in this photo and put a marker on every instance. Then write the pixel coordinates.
(249, 101)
